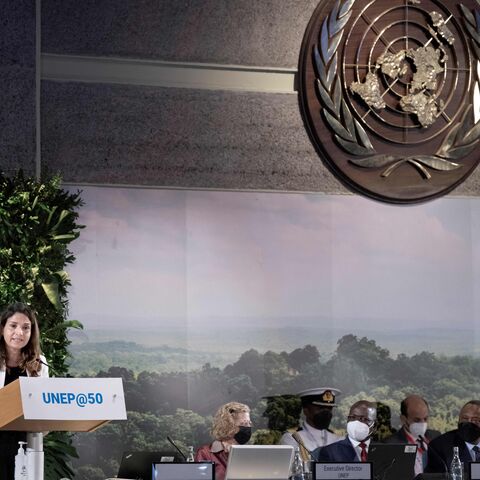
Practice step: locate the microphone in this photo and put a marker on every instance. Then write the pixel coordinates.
(177, 448)
(422, 445)
(39, 360)
(388, 468)
(438, 457)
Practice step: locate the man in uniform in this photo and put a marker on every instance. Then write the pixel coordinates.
(318, 405)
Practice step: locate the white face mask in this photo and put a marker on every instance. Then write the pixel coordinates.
(418, 429)
(358, 431)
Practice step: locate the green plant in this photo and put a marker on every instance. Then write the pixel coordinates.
(38, 220)
(58, 453)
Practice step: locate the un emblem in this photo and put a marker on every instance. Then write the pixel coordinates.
(389, 92)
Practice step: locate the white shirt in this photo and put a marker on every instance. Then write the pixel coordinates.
(43, 371)
(470, 450)
(356, 446)
(311, 437)
(419, 467)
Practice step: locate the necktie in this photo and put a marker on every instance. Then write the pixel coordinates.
(420, 446)
(422, 451)
(476, 449)
(363, 451)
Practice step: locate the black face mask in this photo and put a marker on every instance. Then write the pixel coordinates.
(322, 419)
(469, 432)
(243, 435)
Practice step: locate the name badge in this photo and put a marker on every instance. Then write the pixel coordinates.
(342, 471)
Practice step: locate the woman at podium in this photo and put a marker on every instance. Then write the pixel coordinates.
(19, 357)
(231, 426)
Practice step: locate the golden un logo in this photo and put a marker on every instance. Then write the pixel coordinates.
(390, 95)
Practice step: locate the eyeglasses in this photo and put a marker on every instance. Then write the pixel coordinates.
(360, 418)
(466, 418)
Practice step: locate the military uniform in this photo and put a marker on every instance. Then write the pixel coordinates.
(308, 437)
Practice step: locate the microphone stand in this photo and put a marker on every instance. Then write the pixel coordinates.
(177, 448)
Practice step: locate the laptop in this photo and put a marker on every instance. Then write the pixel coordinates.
(433, 476)
(392, 461)
(138, 465)
(184, 471)
(259, 462)
(474, 470)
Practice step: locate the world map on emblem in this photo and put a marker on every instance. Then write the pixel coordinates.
(388, 94)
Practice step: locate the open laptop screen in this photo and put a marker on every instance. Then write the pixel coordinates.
(184, 471)
(392, 461)
(259, 462)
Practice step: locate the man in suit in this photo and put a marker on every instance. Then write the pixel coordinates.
(414, 413)
(466, 437)
(361, 423)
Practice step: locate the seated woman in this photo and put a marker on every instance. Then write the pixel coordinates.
(231, 426)
(19, 357)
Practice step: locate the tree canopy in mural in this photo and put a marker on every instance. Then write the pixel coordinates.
(180, 404)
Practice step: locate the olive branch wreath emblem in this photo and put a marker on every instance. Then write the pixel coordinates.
(349, 133)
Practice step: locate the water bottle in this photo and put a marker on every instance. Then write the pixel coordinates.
(190, 455)
(297, 467)
(21, 470)
(456, 467)
(307, 469)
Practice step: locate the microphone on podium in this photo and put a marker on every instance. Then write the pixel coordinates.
(50, 368)
(177, 448)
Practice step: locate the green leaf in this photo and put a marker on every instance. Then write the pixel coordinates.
(63, 215)
(65, 236)
(51, 290)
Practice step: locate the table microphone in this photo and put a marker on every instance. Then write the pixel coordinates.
(388, 467)
(177, 448)
(39, 360)
(437, 455)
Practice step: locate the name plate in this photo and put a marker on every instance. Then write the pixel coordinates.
(475, 471)
(184, 471)
(342, 471)
(72, 398)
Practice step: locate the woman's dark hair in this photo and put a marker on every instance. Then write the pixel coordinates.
(31, 351)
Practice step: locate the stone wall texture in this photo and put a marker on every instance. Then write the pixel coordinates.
(157, 136)
(17, 80)
(243, 32)
(177, 137)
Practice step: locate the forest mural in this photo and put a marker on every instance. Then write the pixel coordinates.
(199, 298)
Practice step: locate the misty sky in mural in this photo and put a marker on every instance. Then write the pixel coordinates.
(174, 256)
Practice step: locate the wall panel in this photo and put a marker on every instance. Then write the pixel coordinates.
(17, 80)
(244, 32)
(178, 137)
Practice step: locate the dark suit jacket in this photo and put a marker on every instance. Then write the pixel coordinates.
(341, 451)
(440, 452)
(401, 437)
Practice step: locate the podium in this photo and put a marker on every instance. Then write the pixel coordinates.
(39, 404)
